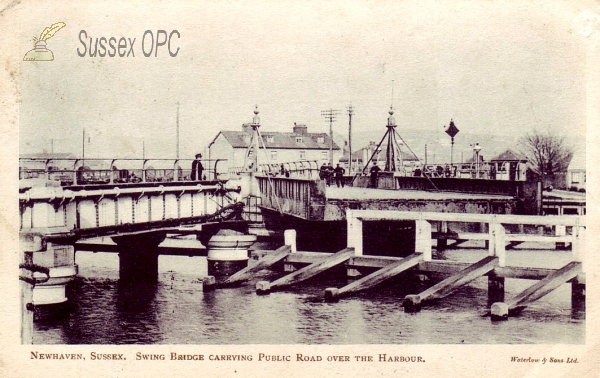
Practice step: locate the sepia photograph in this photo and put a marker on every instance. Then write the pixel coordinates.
(356, 184)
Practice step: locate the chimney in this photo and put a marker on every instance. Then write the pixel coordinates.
(300, 129)
(247, 127)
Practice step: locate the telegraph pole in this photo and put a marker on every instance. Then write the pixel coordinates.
(83, 149)
(350, 113)
(330, 115)
(177, 151)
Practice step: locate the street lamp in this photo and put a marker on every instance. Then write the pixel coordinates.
(476, 149)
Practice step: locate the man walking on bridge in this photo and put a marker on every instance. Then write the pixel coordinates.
(374, 171)
(197, 168)
(339, 175)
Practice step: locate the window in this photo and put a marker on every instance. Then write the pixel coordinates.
(273, 155)
(575, 177)
(321, 139)
(270, 138)
(324, 155)
(298, 139)
(302, 155)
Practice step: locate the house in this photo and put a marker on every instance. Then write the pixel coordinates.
(509, 165)
(576, 173)
(276, 147)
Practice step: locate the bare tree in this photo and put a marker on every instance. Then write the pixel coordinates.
(547, 153)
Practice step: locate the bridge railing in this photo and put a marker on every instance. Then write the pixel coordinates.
(301, 197)
(300, 169)
(105, 171)
(387, 180)
(500, 229)
(55, 210)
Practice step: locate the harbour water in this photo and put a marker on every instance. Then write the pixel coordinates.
(177, 311)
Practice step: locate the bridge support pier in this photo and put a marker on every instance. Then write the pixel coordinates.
(138, 257)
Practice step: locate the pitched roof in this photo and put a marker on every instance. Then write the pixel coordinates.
(577, 161)
(509, 155)
(280, 140)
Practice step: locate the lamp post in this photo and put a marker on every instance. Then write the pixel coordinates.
(350, 113)
(476, 149)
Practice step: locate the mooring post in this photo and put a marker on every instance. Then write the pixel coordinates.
(289, 237)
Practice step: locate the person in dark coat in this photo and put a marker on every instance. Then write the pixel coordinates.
(197, 168)
(374, 172)
(339, 175)
(330, 171)
(323, 172)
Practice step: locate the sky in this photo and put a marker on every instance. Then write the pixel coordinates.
(496, 68)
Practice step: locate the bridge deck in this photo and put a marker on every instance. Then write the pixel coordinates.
(354, 193)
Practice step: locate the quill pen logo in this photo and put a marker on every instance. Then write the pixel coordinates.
(40, 52)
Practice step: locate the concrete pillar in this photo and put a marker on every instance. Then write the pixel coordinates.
(228, 252)
(289, 237)
(495, 289)
(138, 256)
(578, 299)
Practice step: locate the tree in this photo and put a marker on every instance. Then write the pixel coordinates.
(547, 153)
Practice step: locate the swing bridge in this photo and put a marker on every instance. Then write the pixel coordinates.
(60, 207)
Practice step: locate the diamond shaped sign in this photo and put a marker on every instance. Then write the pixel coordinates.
(452, 130)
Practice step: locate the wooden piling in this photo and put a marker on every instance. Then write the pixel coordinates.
(26, 288)
(536, 291)
(412, 303)
(265, 262)
(442, 242)
(495, 289)
(209, 283)
(393, 269)
(578, 298)
(307, 272)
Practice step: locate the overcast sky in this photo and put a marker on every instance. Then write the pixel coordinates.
(495, 67)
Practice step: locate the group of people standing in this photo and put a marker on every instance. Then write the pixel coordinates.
(328, 173)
